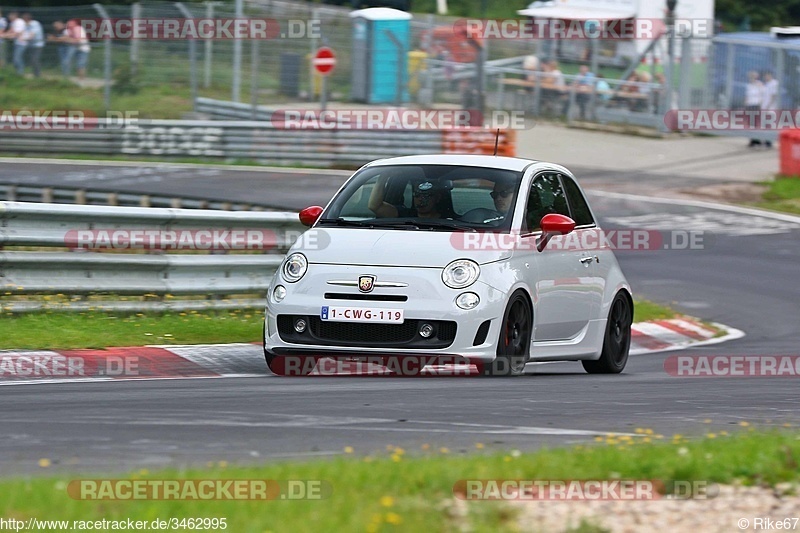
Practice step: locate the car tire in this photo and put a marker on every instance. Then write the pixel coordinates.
(617, 340)
(513, 344)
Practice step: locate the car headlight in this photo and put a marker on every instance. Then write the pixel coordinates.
(461, 273)
(294, 267)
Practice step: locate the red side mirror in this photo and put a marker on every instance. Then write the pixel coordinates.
(309, 215)
(555, 223)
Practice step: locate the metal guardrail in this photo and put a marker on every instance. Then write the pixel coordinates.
(80, 196)
(228, 139)
(71, 269)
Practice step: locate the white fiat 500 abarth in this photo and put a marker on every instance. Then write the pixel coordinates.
(495, 261)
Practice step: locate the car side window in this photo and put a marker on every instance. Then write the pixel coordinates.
(580, 208)
(545, 196)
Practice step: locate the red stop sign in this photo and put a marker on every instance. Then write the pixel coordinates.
(324, 60)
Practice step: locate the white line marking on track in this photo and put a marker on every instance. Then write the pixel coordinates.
(699, 203)
(78, 162)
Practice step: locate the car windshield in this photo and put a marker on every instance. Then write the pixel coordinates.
(426, 197)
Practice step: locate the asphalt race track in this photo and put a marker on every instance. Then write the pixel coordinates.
(744, 276)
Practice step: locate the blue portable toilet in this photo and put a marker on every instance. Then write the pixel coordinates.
(381, 40)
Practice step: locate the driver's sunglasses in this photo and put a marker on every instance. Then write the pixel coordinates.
(507, 192)
(423, 195)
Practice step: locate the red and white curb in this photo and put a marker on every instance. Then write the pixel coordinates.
(677, 334)
(247, 360)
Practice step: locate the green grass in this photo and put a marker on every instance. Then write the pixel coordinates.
(51, 330)
(91, 329)
(159, 101)
(412, 490)
(783, 195)
(644, 310)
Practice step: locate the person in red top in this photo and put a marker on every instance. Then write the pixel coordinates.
(79, 39)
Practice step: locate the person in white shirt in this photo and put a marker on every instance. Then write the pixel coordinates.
(753, 98)
(35, 36)
(770, 96)
(17, 32)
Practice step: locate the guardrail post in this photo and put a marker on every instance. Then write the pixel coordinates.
(47, 195)
(106, 61)
(208, 48)
(571, 104)
(176, 203)
(80, 197)
(113, 199)
(144, 200)
(254, 77)
(237, 58)
(11, 193)
(136, 13)
(192, 57)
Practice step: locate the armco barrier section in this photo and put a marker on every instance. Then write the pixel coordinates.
(134, 271)
(71, 195)
(250, 140)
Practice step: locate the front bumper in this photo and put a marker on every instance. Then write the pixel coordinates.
(470, 334)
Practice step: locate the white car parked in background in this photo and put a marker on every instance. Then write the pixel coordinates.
(497, 261)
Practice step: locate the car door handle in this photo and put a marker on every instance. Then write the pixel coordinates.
(586, 260)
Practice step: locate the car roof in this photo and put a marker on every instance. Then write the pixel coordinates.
(490, 161)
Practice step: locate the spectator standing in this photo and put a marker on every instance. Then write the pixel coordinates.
(645, 101)
(531, 65)
(19, 35)
(769, 101)
(81, 42)
(603, 88)
(583, 89)
(754, 98)
(553, 90)
(65, 49)
(3, 28)
(35, 38)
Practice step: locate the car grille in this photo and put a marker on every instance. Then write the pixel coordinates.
(373, 297)
(324, 332)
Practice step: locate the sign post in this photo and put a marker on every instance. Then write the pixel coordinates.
(324, 61)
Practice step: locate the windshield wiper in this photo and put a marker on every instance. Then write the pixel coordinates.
(439, 225)
(343, 222)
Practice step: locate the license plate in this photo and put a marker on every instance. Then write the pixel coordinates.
(361, 314)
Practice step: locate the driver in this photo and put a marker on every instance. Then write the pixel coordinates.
(427, 198)
(502, 194)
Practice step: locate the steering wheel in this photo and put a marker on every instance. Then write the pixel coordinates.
(481, 215)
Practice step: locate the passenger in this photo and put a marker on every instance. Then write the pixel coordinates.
(428, 197)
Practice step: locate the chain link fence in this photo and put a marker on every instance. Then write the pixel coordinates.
(442, 70)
